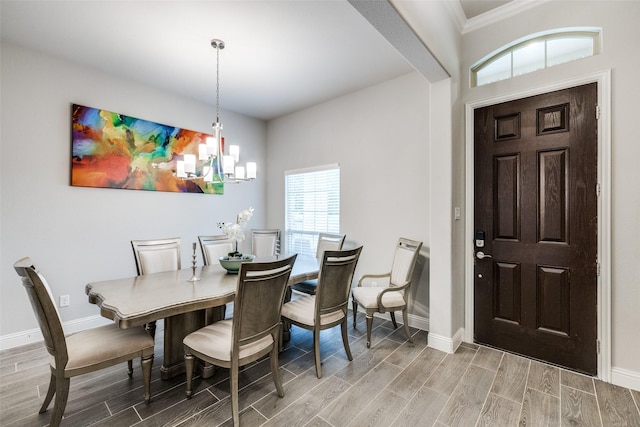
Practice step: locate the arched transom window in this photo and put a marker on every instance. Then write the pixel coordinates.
(535, 52)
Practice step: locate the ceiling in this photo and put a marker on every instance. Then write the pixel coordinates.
(280, 56)
(473, 8)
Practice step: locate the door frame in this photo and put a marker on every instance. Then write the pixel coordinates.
(603, 79)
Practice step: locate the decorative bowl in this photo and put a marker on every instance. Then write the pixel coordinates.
(232, 264)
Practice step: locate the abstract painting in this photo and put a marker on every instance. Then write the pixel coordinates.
(111, 150)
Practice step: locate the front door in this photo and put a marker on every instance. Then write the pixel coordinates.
(535, 222)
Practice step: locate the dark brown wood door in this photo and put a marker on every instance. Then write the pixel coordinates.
(536, 203)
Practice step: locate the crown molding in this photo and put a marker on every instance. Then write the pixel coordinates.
(457, 13)
(500, 13)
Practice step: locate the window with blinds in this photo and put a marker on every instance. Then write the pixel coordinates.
(312, 198)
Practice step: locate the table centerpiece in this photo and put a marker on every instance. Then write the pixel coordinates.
(235, 232)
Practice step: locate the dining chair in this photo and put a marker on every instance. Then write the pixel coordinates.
(387, 293)
(155, 256)
(213, 247)
(326, 242)
(253, 331)
(83, 352)
(265, 242)
(328, 307)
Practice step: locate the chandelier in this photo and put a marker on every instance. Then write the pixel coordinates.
(211, 157)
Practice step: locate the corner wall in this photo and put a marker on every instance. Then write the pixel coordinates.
(380, 138)
(435, 24)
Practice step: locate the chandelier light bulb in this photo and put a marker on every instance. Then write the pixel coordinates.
(234, 151)
(251, 170)
(239, 172)
(212, 146)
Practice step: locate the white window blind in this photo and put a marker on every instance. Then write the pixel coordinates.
(312, 198)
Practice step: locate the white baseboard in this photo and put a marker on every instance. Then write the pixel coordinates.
(34, 335)
(625, 378)
(418, 322)
(446, 344)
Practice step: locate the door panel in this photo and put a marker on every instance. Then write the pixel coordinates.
(536, 202)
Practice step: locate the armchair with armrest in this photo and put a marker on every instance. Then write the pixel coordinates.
(388, 292)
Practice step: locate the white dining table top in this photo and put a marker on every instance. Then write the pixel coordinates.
(134, 301)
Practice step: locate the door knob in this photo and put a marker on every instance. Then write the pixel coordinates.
(481, 255)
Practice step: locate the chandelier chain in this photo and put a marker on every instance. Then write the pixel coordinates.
(218, 83)
(217, 44)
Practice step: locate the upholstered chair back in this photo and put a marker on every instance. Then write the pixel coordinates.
(213, 247)
(265, 243)
(329, 242)
(404, 261)
(155, 256)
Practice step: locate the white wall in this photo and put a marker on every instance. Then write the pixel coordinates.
(436, 26)
(380, 138)
(621, 33)
(77, 235)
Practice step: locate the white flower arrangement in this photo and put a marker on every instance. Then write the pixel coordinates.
(235, 231)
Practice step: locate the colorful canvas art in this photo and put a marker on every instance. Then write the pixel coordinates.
(111, 150)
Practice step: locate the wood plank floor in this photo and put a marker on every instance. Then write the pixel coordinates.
(391, 384)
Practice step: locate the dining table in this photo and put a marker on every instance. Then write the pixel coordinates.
(185, 305)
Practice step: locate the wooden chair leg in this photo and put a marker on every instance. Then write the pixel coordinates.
(355, 311)
(345, 340)
(316, 349)
(286, 330)
(50, 393)
(275, 370)
(189, 361)
(369, 327)
(130, 368)
(62, 394)
(393, 319)
(405, 318)
(146, 363)
(233, 379)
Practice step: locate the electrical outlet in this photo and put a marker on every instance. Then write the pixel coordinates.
(64, 300)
